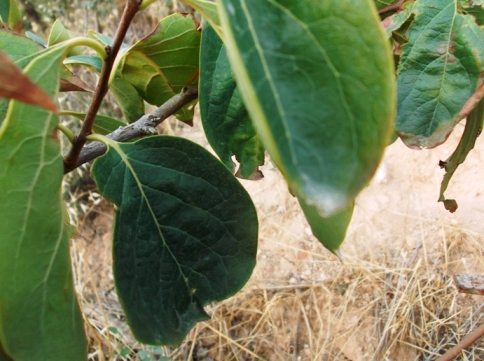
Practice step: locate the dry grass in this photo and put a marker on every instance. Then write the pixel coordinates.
(396, 304)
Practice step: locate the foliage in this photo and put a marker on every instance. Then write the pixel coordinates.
(311, 82)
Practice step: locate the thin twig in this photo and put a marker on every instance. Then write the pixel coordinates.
(129, 12)
(466, 342)
(142, 127)
(391, 8)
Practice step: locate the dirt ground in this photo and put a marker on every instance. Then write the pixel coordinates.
(392, 299)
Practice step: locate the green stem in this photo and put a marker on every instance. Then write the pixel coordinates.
(67, 132)
(101, 138)
(91, 43)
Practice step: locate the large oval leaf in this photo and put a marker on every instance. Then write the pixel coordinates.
(39, 315)
(185, 233)
(317, 79)
(439, 70)
(225, 120)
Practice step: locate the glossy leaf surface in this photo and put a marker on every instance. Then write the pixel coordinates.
(439, 70)
(225, 120)
(472, 130)
(166, 61)
(185, 233)
(324, 117)
(39, 315)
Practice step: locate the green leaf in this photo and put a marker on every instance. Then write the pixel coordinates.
(166, 61)
(58, 34)
(128, 99)
(380, 4)
(36, 38)
(10, 14)
(102, 124)
(39, 315)
(439, 71)
(319, 89)
(225, 120)
(17, 46)
(185, 233)
(209, 11)
(330, 231)
(94, 62)
(472, 130)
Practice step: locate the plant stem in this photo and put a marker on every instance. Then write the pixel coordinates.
(466, 342)
(129, 12)
(391, 8)
(142, 127)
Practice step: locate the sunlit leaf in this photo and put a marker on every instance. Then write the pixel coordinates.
(225, 120)
(166, 61)
(439, 70)
(15, 85)
(185, 233)
(39, 315)
(319, 89)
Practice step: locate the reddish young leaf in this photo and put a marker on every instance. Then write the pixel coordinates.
(15, 85)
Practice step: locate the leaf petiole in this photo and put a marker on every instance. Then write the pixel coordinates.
(84, 41)
(67, 132)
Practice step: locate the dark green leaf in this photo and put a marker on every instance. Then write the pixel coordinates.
(185, 233)
(166, 61)
(39, 315)
(319, 89)
(472, 130)
(102, 124)
(128, 99)
(439, 71)
(330, 231)
(225, 120)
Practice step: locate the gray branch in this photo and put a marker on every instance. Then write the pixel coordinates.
(142, 127)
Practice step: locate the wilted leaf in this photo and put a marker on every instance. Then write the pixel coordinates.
(185, 233)
(39, 315)
(166, 61)
(395, 21)
(225, 120)
(319, 90)
(102, 124)
(128, 99)
(15, 85)
(472, 130)
(439, 70)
